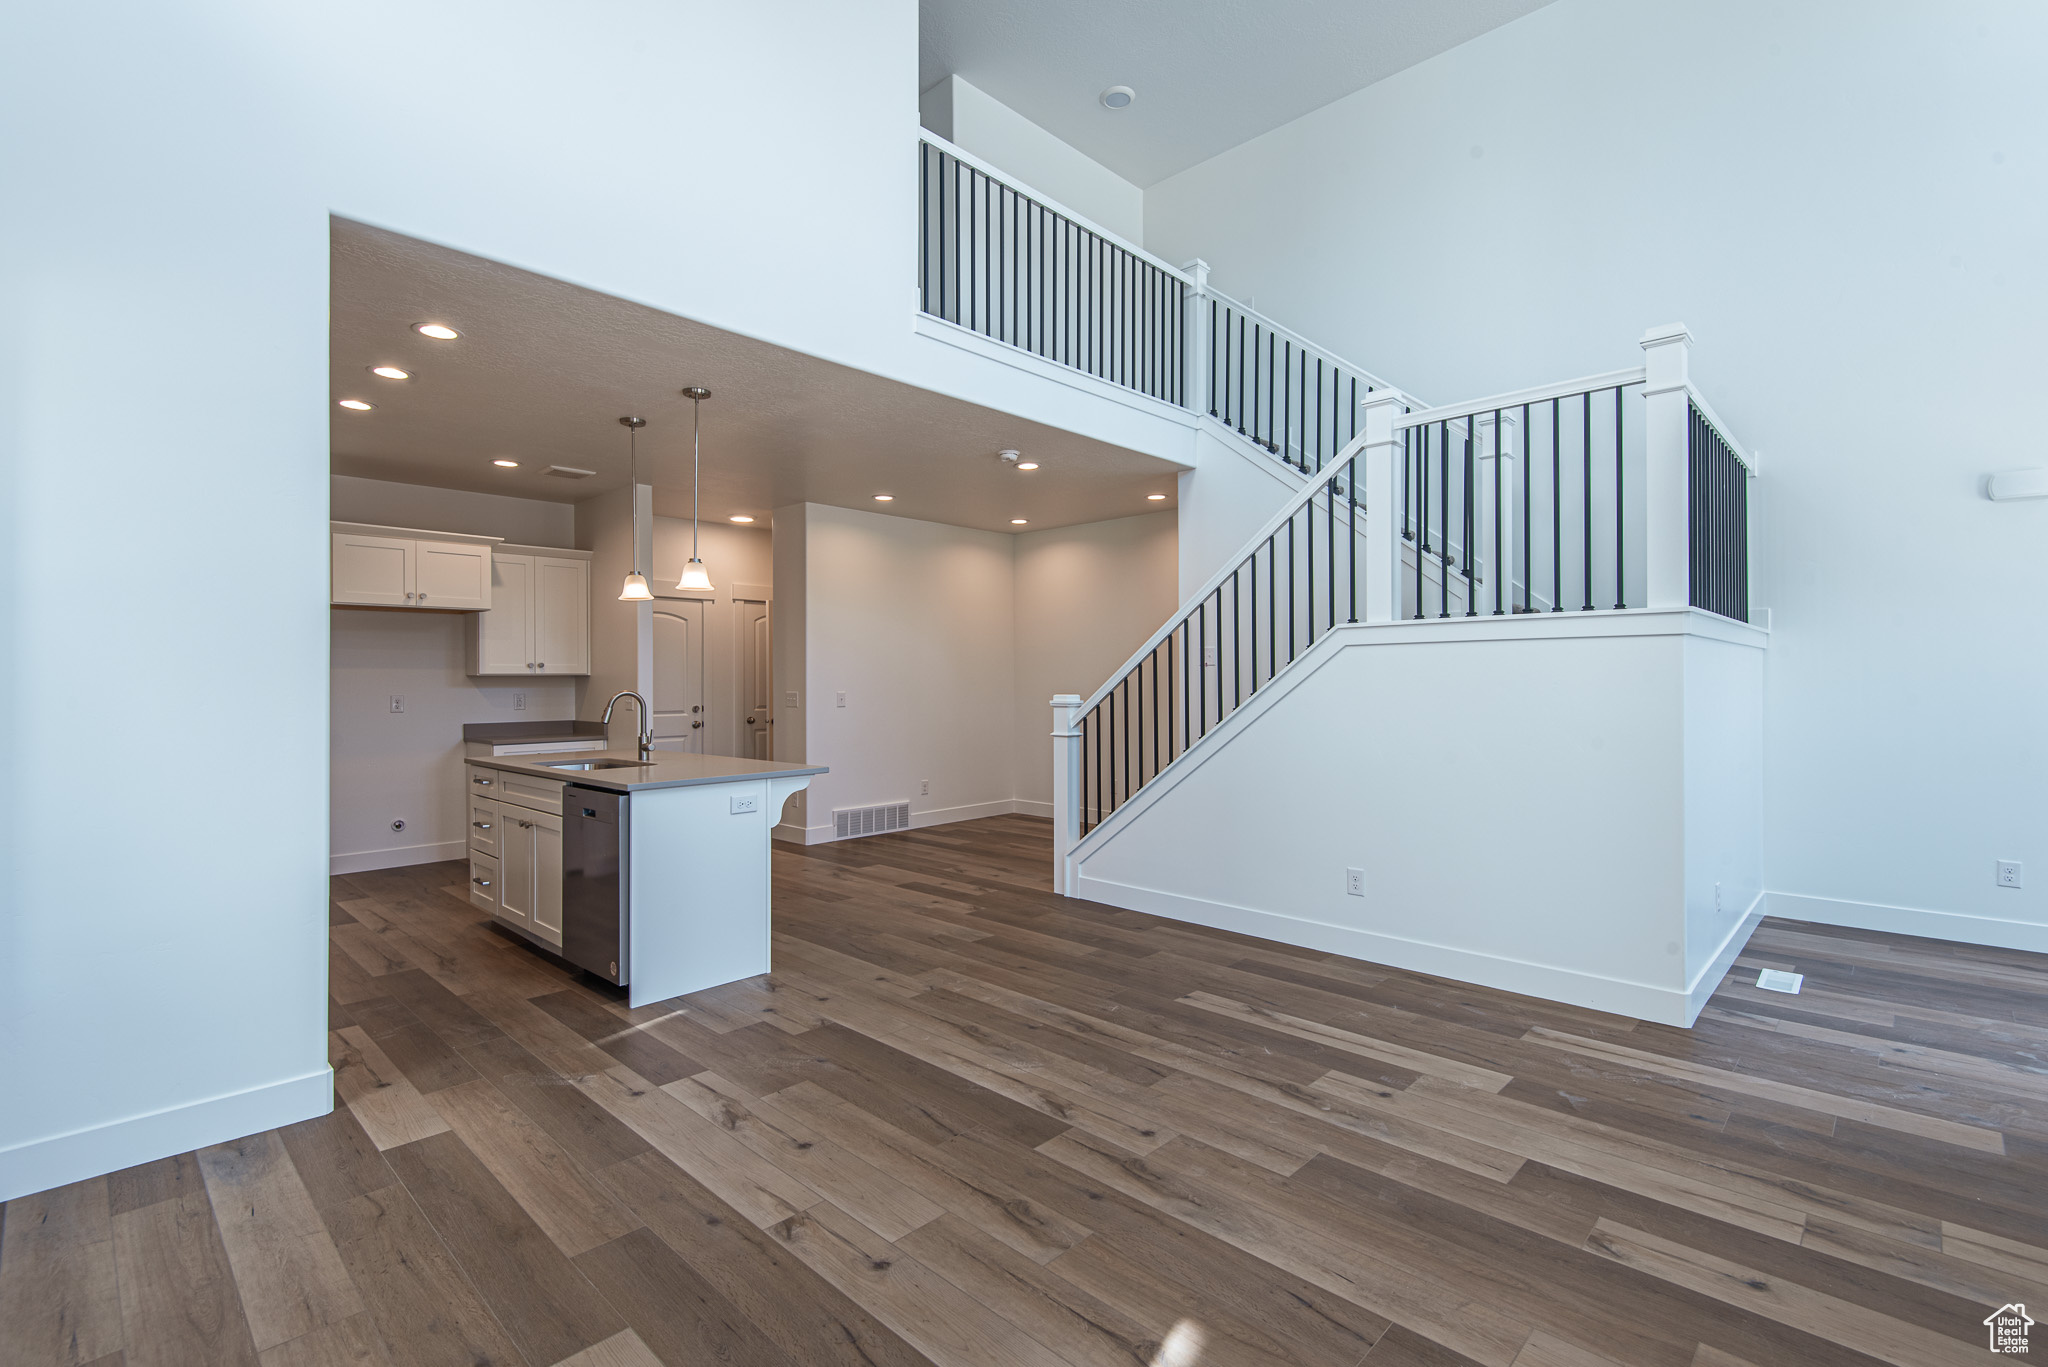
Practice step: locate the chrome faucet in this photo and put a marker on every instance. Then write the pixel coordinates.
(646, 721)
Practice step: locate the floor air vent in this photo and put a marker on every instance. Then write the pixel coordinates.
(850, 821)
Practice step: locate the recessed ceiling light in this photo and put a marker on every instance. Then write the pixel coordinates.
(508, 464)
(1155, 497)
(1017, 522)
(739, 517)
(440, 332)
(1027, 465)
(885, 498)
(390, 372)
(358, 405)
(1118, 97)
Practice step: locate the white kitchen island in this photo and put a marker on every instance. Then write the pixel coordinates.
(693, 880)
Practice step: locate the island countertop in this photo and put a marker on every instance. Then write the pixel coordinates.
(668, 769)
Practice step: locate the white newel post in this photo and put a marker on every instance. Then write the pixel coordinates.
(1195, 301)
(1066, 788)
(1497, 543)
(1382, 506)
(1667, 399)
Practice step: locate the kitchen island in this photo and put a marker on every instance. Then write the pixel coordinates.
(651, 873)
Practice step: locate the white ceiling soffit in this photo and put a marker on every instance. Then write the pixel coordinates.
(1209, 74)
(544, 369)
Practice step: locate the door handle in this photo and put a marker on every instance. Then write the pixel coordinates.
(695, 724)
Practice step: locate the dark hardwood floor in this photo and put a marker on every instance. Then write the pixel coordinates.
(967, 1122)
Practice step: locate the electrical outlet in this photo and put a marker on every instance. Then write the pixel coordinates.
(397, 703)
(742, 805)
(1354, 882)
(789, 698)
(2008, 873)
(924, 787)
(1208, 655)
(1717, 897)
(842, 699)
(518, 702)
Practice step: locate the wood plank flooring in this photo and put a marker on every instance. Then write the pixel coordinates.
(967, 1122)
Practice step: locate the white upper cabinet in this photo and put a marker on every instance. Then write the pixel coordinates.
(395, 567)
(539, 622)
(372, 570)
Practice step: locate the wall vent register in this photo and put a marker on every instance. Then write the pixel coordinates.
(878, 820)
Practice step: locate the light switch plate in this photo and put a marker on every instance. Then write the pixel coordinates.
(789, 698)
(742, 805)
(842, 699)
(1778, 980)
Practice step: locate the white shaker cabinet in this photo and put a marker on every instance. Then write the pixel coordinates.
(539, 621)
(398, 567)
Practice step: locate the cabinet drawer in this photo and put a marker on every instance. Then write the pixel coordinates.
(483, 881)
(537, 794)
(483, 825)
(479, 782)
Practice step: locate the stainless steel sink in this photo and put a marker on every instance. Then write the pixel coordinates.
(595, 764)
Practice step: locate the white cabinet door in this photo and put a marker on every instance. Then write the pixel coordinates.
(447, 574)
(504, 643)
(546, 918)
(374, 571)
(561, 616)
(515, 866)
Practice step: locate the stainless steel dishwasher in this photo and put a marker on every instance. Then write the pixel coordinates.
(595, 887)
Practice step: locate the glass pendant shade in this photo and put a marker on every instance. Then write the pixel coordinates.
(694, 576)
(636, 589)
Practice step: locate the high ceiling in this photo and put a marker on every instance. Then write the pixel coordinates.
(544, 369)
(1209, 74)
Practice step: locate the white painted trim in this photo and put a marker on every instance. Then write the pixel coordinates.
(59, 1159)
(1031, 363)
(415, 534)
(1644, 1001)
(1709, 977)
(1706, 409)
(405, 856)
(1025, 806)
(1956, 926)
(1046, 201)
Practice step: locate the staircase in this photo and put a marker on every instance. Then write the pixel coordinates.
(1481, 698)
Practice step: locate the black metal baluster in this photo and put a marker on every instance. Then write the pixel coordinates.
(1308, 563)
(1202, 685)
(1330, 540)
(1620, 510)
(1471, 514)
(1443, 456)
(1156, 714)
(1495, 568)
(1556, 515)
(1586, 422)
(1351, 529)
(1319, 432)
(1528, 478)
(1290, 588)
(1236, 651)
(1253, 561)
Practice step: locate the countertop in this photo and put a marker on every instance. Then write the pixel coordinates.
(530, 732)
(668, 769)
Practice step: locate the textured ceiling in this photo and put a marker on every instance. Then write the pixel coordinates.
(544, 369)
(1210, 74)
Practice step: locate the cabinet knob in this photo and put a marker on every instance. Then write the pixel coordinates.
(423, 598)
(408, 598)
(542, 665)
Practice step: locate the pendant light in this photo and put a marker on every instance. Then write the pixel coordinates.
(635, 590)
(694, 576)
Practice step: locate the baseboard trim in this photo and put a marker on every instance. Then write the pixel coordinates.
(1643, 1001)
(398, 857)
(41, 1164)
(1709, 978)
(1960, 927)
(1025, 806)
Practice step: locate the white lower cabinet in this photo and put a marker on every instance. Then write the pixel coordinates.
(530, 871)
(483, 881)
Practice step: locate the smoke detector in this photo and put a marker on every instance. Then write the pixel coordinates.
(1119, 97)
(1010, 457)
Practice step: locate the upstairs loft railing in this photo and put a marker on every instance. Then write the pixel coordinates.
(1594, 495)
(1014, 268)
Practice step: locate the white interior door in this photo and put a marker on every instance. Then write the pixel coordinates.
(757, 691)
(679, 675)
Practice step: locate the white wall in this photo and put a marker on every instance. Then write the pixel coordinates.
(789, 630)
(1845, 203)
(912, 621)
(1547, 843)
(621, 633)
(1232, 492)
(740, 560)
(1086, 597)
(969, 117)
(408, 767)
(387, 503)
